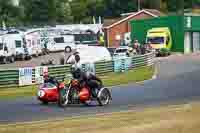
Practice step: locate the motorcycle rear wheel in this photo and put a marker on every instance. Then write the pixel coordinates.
(104, 97)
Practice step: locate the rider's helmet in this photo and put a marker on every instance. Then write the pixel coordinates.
(46, 75)
(76, 72)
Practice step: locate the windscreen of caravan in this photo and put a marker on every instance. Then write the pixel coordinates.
(1, 46)
(90, 39)
(59, 40)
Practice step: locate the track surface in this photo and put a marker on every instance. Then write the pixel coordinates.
(178, 81)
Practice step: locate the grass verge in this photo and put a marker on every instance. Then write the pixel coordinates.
(168, 119)
(111, 79)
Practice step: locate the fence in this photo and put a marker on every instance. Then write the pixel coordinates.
(15, 77)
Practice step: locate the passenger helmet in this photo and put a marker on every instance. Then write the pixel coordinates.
(77, 58)
(46, 75)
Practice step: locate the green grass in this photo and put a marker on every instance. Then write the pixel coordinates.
(13, 93)
(131, 76)
(110, 79)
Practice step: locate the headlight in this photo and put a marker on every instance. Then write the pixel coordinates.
(41, 93)
(67, 81)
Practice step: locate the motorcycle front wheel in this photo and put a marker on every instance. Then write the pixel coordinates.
(63, 99)
(104, 97)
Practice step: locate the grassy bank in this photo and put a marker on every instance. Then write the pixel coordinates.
(171, 119)
(109, 80)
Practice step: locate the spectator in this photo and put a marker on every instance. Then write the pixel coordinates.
(148, 46)
(101, 39)
(136, 46)
(143, 49)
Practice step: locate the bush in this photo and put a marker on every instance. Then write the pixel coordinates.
(164, 52)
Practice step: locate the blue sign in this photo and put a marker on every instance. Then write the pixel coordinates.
(122, 64)
(25, 76)
(117, 65)
(127, 63)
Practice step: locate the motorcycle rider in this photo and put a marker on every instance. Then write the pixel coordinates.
(85, 77)
(49, 79)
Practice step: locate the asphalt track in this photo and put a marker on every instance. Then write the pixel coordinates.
(178, 81)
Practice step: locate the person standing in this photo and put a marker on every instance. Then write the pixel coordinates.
(136, 46)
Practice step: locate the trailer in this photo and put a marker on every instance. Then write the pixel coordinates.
(33, 43)
(57, 43)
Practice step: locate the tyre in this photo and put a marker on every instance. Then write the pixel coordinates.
(23, 57)
(63, 99)
(104, 97)
(12, 59)
(40, 53)
(68, 49)
(4, 61)
(45, 102)
(43, 52)
(28, 57)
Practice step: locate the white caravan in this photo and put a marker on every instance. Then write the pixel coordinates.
(32, 40)
(59, 42)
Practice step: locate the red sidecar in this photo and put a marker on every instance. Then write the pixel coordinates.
(49, 92)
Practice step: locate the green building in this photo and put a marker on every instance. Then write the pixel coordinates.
(185, 31)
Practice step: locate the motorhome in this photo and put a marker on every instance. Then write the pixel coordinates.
(15, 46)
(159, 38)
(85, 34)
(86, 38)
(7, 49)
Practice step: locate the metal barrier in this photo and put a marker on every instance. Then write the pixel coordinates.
(10, 77)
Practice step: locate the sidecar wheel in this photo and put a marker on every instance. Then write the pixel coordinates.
(45, 102)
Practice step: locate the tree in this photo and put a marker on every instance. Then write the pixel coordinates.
(39, 12)
(52, 15)
(95, 7)
(8, 13)
(116, 7)
(63, 12)
(174, 6)
(79, 10)
(195, 3)
(155, 4)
